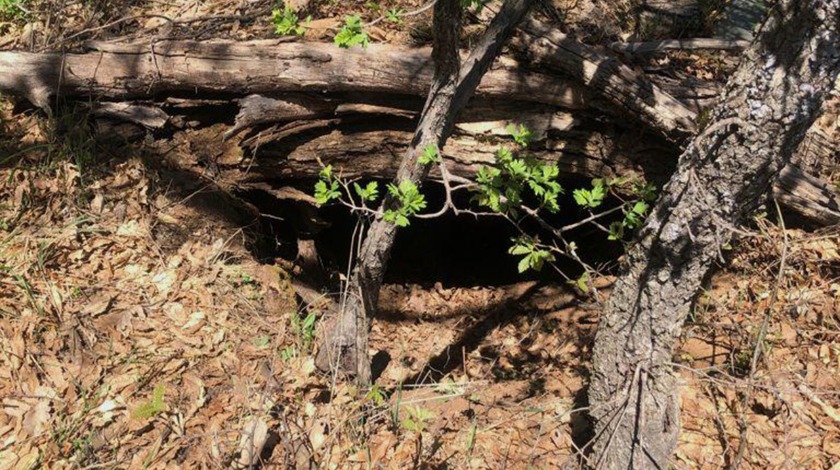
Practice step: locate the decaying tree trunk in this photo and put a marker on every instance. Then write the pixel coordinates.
(619, 86)
(286, 72)
(453, 85)
(124, 71)
(721, 178)
(369, 146)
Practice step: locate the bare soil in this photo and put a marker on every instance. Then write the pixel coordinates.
(125, 274)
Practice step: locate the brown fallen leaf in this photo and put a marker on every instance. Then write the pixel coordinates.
(37, 417)
(254, 435)
(98, 305)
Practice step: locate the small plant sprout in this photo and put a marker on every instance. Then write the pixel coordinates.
(328, 187)
(418, 419)
(393, 15)
(429, 155)
(287, 23)
(376, 395)
(154, 406)
(352, 33)
(304, 329)
(410, 202)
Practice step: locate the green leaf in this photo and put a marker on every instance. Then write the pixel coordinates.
(152, 407)
(616, 231)
(410, 425)
(520, 250)
(430, 155)
(410, 202)
(582, 282)
(326, 172)
(287, 23)
(376, 395)
(634, 217)
(352, 33)
(393, 15)
(647, 192)
(517, 168)
(521, 135)
(395, 217)
(309, 321)
(590, 198)
(369, 192)
(326, 192)
(534, 257)
(503, 155)
(640, 207)
(523, 265)
(421, 414)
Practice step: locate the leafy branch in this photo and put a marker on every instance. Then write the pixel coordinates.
(516, 187)
(410, 201)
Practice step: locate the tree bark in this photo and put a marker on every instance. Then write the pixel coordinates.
(453, 85)
(370, 147)
(721, 179)
(620, 86)
(137, 70)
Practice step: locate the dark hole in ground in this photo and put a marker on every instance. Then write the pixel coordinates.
(453, 250)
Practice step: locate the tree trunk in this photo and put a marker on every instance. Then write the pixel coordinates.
(137, 70)
(721, 179)
(346, 344)
(619, 86)
(371, 148)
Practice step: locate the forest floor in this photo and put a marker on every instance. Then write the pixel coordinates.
(138, 328)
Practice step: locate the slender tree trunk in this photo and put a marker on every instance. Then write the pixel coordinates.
(346, 341)
(721, 179)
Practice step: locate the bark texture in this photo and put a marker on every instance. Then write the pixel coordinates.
(368, 146)
(125, 71)
(620, 86)
(767, 107)
(453, 85)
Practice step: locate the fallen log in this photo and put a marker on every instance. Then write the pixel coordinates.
(357, 151)
(126, 71)
(694, 44)
(621, 86)
(359, 148)
(807, 197)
